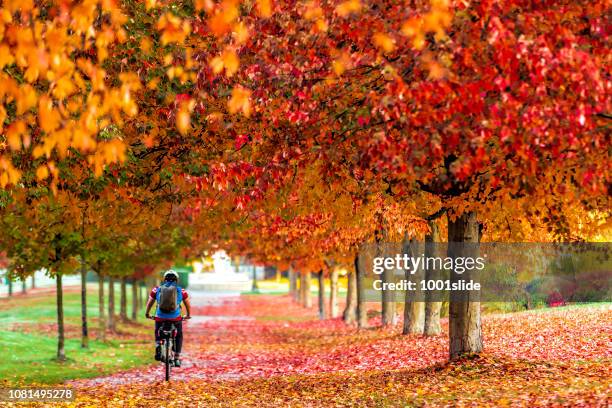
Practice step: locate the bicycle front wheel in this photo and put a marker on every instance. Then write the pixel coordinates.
(168, 363)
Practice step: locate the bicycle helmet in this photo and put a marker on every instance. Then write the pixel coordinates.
(171, 276)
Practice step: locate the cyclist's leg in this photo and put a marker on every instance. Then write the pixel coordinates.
(157, 327)
(179, 339)
(157, 341)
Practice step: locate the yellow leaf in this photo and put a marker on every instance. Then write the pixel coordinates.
(14, 133)
(341, 63)
(321, 25)
(419, 42)
(348, 7)
(240, 32)
(173, 29)
(412, 27)
(6, 58)
(31, 73)
(338, 67)
(265, 8)
(436, 71)
(48, 117)
(228, 60)
(2, 116)
(153, 83)
(313, 11)
(203, 5)
(216, 64)
(183, 120)
(220, 22)
(240, 101)
(231, 62)
(42, 172)
(383, 42)
(27, 99)
(63, 87)
(145, 44)
(38, 151)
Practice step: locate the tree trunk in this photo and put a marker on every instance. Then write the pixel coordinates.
(24, 288)
(278, 275)
(33, 281)
(254, 287)
(134, 300)
(101, 317)
(464, 307)
(292, 284)
(59, 297)
(388, 296)
(307, 291)
(111, 303)
(432, 306)
(10, 286)
(414, 308)
(84, 334)
(362, 312)
(305, 287)
(299, 285)
(143, 294)
(321, 281)
(123, 308)
(139, 286)
(350, 310)
(528, 301)
(333, 294)
(388, 299)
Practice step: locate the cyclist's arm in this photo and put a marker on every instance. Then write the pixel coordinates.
(149, 305)
(187, 306)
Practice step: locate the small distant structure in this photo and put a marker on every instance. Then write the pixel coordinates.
(223, 278)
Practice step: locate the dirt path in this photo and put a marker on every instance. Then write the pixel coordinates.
(224, 340)
(234, 337)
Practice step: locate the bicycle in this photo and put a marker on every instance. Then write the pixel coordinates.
(167, 333)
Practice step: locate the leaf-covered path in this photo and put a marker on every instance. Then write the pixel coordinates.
(266, 351)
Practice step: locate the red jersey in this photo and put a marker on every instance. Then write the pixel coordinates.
(152, 296)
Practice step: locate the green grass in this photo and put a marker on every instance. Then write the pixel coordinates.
(272, 287)
(31, 345)
(40, 308)
(29, 358)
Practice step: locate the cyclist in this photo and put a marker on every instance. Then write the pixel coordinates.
(169, 297)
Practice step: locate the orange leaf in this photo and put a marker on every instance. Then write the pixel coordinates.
(6, 58)
(240, 101)
(48, 117)
(42, 172)
(183, 120)
(13, 134)
(230, 61)
(265, 8)
(348, 7)
(240, 32)
(383, 42)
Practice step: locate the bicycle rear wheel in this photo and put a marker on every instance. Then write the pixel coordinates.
(168, 363)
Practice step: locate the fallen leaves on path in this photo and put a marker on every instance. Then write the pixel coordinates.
(477, 382)
(552, 357)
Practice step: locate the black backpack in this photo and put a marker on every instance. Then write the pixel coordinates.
(167, 298)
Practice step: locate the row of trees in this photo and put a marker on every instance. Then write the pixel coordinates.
(295, 134)
(72, 233)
